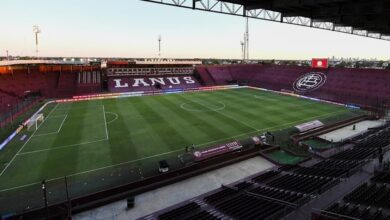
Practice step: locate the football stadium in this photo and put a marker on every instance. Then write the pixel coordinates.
(164, 138)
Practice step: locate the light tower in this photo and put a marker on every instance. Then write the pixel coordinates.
(242, 51)
(36, 31)
(245, 43)
(159, 46)
(247, 38)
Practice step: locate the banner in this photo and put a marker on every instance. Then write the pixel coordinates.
(321, 63)
(309, 125)
(217, 150)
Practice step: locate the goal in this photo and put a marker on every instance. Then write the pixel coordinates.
(35, 121)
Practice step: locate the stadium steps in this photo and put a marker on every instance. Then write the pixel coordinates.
(333, 194)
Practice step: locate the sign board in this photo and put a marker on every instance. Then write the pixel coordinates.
(217, 150)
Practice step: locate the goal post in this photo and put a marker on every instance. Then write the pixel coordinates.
(35, 121)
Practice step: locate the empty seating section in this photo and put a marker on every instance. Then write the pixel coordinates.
(381, 177)
(204, 74)
(347, 84)
(221, 195)
(303, 183)
(243, 73)
(203, 215)
(245, 206)
(150, 84)
(342, 85)
(50, 83)
(355, 154)
(6, 101)
(322, 171)
(368, 147)
(181, 212)
(338, 164)
(281, 195)
(243, 185)
(380, 139)
(66, 84)
(351, 211)
(220, 74)
(371, 195)
(266, 176)
(252, 201)
(190, 211)
(19, 84)
(370, 200)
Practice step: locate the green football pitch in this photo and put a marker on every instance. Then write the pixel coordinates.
(82, 137)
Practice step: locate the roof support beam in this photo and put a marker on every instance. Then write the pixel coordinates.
(369, 18)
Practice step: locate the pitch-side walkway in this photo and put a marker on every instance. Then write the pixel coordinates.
(348, 132)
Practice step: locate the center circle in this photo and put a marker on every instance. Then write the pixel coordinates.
(201, 107)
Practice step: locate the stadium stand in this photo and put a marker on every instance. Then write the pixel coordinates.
(369, 200)
(350, 211)
(181, 212)
(265, 176)
(342, 84)
(50, 81)
(355, 154)
(382, 177)
(149, 84)
(302, 183)
(22, 86)
(205, 76)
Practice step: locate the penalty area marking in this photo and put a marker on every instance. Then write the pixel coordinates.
(112, 113)
(61, 147)
(105, 122)
(25, 143)
(56, 132)
(183, 106)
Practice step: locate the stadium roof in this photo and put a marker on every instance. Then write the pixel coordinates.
(32, 62)
(369, 18)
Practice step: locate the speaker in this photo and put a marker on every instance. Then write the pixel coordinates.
(130, 202)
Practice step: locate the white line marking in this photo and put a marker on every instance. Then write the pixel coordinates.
(56, 132)
(62, 123)
(57, 116)
(45, 134)
(131, 161)
(105, 122)
(18, 187)
(67, 146)
(228, 116)
(116, 117)
(25, 143)
(74, 108)
(61, 147)
(183, 106)
(290, 105)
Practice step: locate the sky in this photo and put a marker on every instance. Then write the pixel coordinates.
(130, 28)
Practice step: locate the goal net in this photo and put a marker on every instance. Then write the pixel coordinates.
(34, 122)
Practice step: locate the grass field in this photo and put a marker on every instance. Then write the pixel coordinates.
(85, 136)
